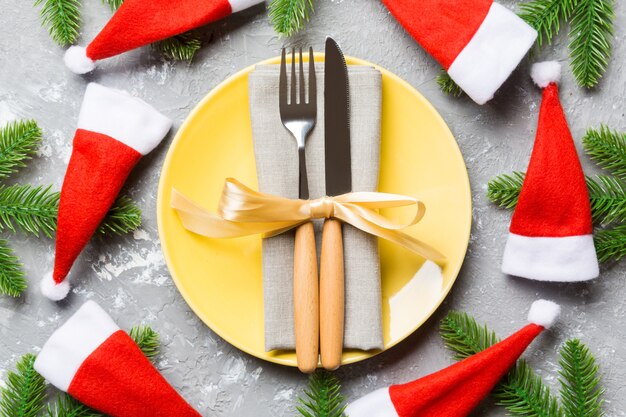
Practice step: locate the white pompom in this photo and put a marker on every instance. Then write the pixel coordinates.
(544, 73)
(544, 313)
(77, 61)
(53, 291)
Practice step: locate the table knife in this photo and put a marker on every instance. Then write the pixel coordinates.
(338, 181)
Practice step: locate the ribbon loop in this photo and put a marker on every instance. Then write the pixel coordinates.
(244, 212)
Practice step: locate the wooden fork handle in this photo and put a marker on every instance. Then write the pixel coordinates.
(332, 294)
(306, 299)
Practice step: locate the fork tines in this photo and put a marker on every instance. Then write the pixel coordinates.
(297, 88)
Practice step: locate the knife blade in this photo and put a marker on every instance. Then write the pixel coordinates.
(338, 181)
(336, 121)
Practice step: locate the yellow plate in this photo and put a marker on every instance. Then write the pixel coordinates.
(221, 279)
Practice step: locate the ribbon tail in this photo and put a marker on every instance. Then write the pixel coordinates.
(200, 221)
(413, 244)
(399, 238)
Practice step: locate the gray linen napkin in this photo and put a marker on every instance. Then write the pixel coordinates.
(277, 169)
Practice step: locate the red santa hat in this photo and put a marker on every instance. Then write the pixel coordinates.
(94, 361)
(141, 22)
(551, 233)
(478, 42)
(114, 131)
(455, 391)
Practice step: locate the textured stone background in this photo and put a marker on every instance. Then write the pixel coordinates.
(128, 275)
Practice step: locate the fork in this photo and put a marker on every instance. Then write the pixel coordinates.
(298, 116)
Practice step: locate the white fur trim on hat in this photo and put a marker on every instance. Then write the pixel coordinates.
(77, 61)
(544, 313)
(50, 289)
(239, 5)
(544, 73)
(72, 343)
(487, 61)
(557, 259)
(125, 118)
(374, 404)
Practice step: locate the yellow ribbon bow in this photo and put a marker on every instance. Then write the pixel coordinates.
(244, 212)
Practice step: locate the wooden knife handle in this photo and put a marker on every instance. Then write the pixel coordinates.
(332, 294)
(306, 299)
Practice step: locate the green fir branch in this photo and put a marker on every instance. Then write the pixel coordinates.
(546, 16)
(113, 4)
(181, 47)
(504, 189)
(147, 340)
(66, 406)
(322, 397)
(608, 206)
(521, 391)
(591, 34)
(31, 209)
(124, 217)
(581, 394)
(24, 393)
(12, 281)
(608, 199)
(607, 195)
(464, 337)
(62, 17)
(607, 148)
(289, 16)
(447, 85)
(18, 143)
(610, 244)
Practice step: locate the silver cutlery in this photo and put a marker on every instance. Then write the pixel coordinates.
(338, 181)
(299, 117)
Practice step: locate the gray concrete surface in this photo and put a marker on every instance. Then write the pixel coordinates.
(128, 275)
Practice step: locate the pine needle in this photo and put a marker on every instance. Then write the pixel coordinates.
(521, 391)
(447, 85)
(591, 35)
(322, 397)
(62, 17)
(608, 199)
(114, 4)
(611, 244)
(18, 142)
(24, 394)
(66, 406)
(147, 340)
(607, 148)
(464, 337)
(124, 217)
(504, 189)
(546, 16)
(12, 281)
(581, 394)
(289, 16)
(31, 209)
(181, 47)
